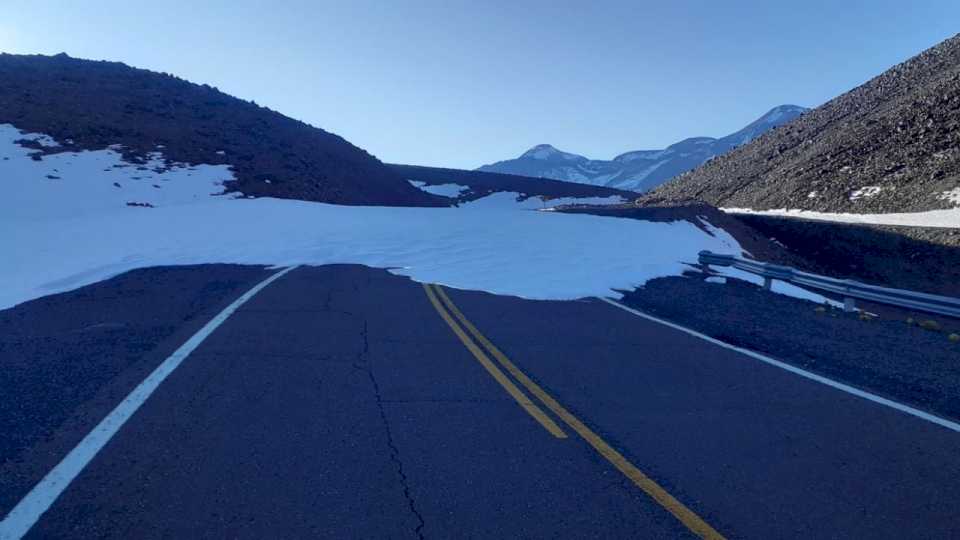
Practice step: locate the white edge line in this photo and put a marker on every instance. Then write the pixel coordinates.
(797, 371)
(26, 513)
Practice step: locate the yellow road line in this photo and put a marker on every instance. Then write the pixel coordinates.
(686, 516)
(535, 411)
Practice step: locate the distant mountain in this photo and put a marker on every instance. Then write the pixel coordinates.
(91, 105)
(639, 170)
(889, 145)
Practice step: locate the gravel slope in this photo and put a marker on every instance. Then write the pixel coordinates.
(889, 145)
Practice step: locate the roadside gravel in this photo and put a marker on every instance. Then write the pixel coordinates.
(885, 356)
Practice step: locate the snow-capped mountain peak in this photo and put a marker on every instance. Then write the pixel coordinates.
(775, 114)
(549, 152)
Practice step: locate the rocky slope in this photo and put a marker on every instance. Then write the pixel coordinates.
(91, 105)
(639, 170)
(890, 145)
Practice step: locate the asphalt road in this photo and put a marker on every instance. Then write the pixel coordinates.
(342, 401)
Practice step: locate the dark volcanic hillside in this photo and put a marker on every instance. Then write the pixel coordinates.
(96, 104)
(890, 145)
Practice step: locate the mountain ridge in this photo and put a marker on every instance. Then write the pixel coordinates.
(637, 170)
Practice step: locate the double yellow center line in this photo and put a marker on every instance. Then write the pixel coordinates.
(442, 303)
(521, 398)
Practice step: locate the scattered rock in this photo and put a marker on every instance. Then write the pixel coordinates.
(930, 324)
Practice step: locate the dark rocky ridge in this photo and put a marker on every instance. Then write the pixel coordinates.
(96, 104)
(899, 131)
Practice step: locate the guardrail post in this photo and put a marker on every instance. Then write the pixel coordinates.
(767, 283)
(849, 303)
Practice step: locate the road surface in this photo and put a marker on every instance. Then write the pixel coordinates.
(343, 401)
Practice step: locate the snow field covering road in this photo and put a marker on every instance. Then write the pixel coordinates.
(77, 229)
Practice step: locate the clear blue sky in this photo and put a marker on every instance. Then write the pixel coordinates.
(463, 83)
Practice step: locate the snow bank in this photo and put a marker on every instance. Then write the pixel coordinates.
(60, 234)
(933, 218)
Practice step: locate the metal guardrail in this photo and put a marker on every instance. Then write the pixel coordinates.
(848, 289)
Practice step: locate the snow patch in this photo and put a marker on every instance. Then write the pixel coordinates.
(70, 184)
(952, 196)
(445, 190)
(45, 141)
(932, 218)
(865, 192)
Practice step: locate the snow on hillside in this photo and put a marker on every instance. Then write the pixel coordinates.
(932, 218)
(74, 183)
(60, 234)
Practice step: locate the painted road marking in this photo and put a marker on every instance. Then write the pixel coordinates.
(691, 520)
(521, 398)
(26, 513)
(797, 371)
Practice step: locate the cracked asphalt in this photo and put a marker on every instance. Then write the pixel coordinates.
(337, 403)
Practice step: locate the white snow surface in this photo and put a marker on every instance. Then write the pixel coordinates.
(445, 190)
(89, 182)
(865, 192)
(478, 246)
(932, 218)
(58, 235)
(952, 196)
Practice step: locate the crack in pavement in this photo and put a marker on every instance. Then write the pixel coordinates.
(394, 451)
